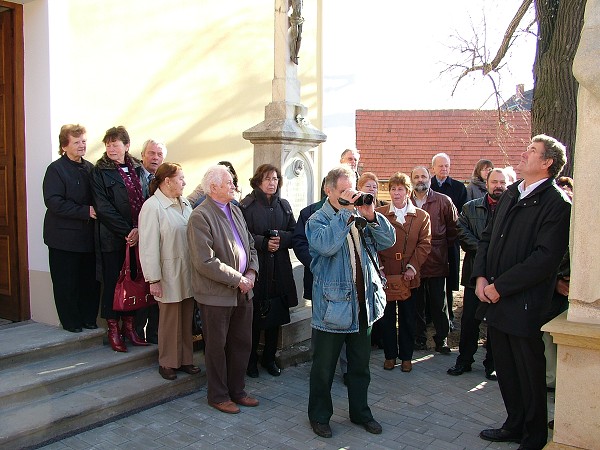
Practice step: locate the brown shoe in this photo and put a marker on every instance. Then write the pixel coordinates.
(389, 364)
(189, 368)
(247, 401)
(226, 407)
(167, 373)
(406, 366)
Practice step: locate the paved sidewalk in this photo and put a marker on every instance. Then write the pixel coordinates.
(424, 409)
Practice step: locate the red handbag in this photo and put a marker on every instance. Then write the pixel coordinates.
(132, 294)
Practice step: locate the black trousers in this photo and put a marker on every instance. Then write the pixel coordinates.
(432, 289)
(453, 278)
(399, 340)
(521, 369)
(76, 291)
(469, 333)
(146, 323)
(111, 267)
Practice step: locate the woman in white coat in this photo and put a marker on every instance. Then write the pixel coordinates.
(165, 260)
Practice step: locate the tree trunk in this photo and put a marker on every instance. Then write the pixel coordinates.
(554, 108)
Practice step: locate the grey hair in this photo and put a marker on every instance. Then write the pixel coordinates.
(439, 155)
(349, 150)
(554, 150)
(338, 172)
(214, 175)
(152, 141)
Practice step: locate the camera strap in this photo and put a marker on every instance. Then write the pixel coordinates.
(364, 243)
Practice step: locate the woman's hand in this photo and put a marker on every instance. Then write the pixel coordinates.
(92, 212)
(273, 244)
(409, 274)
(133, 237)
(156, 289)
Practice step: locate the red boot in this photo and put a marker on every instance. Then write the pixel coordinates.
(128, 331)
(114, 337)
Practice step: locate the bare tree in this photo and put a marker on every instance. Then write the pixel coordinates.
(554, 108)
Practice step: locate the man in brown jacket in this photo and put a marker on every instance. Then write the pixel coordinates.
(434, 271)
(225, 265)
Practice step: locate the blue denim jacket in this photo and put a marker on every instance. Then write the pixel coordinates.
(335, 301)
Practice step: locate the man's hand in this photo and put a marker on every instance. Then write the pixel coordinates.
(349, 195)
(491, 293)
(480, 284)
(92, 212)
(247, 281)
(367, 211)
(562, 287)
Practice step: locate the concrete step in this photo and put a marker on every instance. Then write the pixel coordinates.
(68, 411)
(30, 381)
(55, 383)
(25, 342)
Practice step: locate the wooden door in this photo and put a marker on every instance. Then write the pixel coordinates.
(14, 290)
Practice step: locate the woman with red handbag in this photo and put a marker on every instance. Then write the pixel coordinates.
(165, 259)
(117, 187)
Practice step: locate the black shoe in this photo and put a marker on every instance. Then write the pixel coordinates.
(420, 346)
(321, 429)
(491, 375)
(74, 330)
(459, 369)
(252, 372)
(372, 426)
(90, 326)
(272, 368)
(500, 435)
(551, 424)
(443, 349)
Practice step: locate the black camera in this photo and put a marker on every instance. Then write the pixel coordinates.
(363, 199)
(271, 234)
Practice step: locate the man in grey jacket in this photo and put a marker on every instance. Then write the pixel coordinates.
(225, 265)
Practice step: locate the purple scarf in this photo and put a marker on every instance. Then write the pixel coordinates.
(134, 189)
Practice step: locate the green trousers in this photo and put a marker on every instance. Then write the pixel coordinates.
(326, 350)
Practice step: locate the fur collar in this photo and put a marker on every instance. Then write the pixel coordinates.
(105, 162)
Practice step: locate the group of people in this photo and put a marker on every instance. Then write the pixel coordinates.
(366, 262)
(515, 273)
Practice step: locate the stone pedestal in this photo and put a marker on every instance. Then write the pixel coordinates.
(577, 408)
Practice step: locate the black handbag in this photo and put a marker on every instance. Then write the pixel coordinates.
(274, 312)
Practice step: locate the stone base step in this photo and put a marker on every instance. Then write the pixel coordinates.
(65, 412)
(55, 383)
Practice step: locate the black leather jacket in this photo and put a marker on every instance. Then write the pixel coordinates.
(473, 219)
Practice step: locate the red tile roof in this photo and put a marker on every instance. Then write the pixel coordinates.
(391, 141)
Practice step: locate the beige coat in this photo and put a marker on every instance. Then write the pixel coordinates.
(164, 252)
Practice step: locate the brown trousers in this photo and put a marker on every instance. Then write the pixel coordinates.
(227, 332)
(175, 333)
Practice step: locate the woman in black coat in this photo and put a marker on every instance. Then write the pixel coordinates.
(69, 232)
(117, 186)
(271, 221)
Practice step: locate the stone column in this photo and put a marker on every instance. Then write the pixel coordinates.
(287, 140)
(577, 332)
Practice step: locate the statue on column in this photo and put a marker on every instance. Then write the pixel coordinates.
(296, 21)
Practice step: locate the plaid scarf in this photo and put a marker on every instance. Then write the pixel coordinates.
(134, 189)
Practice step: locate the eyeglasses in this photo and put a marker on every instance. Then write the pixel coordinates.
(269, 179)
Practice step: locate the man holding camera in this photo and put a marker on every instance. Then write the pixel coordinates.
(344, 237)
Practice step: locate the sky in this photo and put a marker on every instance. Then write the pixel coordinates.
(389, 54)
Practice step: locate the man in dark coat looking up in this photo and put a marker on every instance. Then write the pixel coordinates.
(515, 272)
